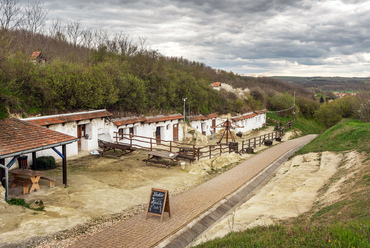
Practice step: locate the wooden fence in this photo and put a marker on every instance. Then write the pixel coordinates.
(192, 152)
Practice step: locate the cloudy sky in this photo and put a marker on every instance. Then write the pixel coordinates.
(251, 37)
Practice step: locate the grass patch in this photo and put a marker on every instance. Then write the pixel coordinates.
(23, 203)
(347, 135)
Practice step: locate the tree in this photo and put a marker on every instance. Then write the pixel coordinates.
(10, 14)
(322, 99)
(35, 17)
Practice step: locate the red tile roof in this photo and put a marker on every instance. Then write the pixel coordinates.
(211, 116)
(216, 84)
(197, 118)
(243, 117)
(164, 118)
(51, 120)
(130, 120)
(151, 119)
(17, 136)
(35, 55)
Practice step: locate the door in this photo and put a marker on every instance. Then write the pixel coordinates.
(158, 135)
(80, 134)
(175, 132)
(214, 125)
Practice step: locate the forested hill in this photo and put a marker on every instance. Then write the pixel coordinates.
(117, 75)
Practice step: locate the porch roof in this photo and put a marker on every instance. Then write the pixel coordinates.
(19, 137)
(64, 118)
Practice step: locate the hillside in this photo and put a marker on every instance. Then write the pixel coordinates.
(129, 80)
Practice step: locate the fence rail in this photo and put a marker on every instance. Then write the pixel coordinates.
(192, 152)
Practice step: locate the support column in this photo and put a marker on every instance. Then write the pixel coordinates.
(2, 172)
(64, 164)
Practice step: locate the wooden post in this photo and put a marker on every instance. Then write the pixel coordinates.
(198, 153)
(131, 139)
(220, 149)
(170, 146)
(151, 144)
(243, 145)
(64, 152)
(193, 151)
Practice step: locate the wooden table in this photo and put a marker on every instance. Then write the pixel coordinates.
(158, 156)
(26, 178)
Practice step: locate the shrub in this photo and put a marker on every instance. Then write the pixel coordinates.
(44, 163)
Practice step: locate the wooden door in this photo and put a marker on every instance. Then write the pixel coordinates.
(80, 134)
(214, 125)
(175, 132)
(158, 135)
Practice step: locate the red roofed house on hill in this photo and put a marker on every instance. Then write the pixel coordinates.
(216, 86)
(38, 58)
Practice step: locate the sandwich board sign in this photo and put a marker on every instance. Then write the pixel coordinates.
(159, 203)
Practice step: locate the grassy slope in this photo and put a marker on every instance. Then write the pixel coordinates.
(345, 223)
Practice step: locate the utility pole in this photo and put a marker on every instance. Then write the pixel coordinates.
(184, 99)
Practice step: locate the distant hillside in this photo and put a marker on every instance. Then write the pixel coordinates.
(342, 84)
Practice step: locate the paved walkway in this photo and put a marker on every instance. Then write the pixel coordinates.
(190, 205)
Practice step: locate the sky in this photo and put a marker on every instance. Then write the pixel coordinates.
(247, 37)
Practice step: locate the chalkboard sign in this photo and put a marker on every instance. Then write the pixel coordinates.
(158, 203)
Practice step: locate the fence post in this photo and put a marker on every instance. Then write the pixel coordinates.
(170, 146)
(243, 145)
(130, 139)
(151, 144)
(198, 153)
(254, 143)
(193, 151)
(210, 151)
(220, 149)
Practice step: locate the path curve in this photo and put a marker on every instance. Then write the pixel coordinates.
(190, 205)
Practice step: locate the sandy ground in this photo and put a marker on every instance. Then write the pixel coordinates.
(102, 186)
(290, 193)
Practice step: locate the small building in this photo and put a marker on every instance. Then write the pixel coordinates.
(216, 86)
(155, 127)
(22, 138)
(250, 121)
(38, 58)
(204, 123)
(87, 127)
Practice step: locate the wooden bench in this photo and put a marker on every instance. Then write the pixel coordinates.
(51, 179)
(114, 149)
(26, 183)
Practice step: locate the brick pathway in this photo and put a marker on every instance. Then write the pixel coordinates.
(140, 232)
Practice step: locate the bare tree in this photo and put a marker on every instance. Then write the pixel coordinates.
(56, 28)
(10, 14)
(100, 37)
(144, 45)
(74, 32)
(87, 38)
(126, 44)
(35, 17)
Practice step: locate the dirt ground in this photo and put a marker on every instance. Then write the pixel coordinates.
(290, 193)
(102, 186)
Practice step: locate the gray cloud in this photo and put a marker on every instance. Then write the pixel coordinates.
(271, 37)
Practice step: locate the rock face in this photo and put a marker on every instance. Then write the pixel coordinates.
(193, 136)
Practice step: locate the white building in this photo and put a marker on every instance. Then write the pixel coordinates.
(87, 126)
(249, 121)
(149, 129)
(204, 123)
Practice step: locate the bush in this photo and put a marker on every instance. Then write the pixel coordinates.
(44, 163)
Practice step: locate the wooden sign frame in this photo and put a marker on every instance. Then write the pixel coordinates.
(165, 203)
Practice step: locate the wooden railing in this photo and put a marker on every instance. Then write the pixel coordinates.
(192, 152)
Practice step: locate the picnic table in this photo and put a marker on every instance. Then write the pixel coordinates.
(162, 157)
(114, 149)
(28, 179)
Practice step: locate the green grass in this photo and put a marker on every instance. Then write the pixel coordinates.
(308, 126)
(347, 135)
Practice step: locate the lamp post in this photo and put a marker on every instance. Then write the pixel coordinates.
(184, 99)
